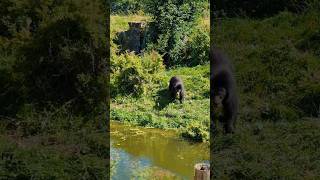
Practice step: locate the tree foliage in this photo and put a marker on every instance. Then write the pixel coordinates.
(261, 8)
(172, 23)
(58, 53)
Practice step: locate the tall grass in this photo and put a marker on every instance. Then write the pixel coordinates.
(277, 63)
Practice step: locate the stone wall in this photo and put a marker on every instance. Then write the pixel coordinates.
(132, 39)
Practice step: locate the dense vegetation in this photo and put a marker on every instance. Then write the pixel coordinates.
(262, 8)
(53, 89)
(139, 83)
(276, 59)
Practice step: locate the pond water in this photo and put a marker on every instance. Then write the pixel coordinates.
(137, 150)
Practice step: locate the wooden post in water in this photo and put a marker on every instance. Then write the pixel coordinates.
(202, 171)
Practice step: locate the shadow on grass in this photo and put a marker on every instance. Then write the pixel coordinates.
(162, 99)
(206, 94)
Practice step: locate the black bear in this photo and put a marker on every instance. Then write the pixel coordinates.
(223, 89)
(176, 88)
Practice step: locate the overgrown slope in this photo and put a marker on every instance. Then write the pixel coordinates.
(277, 66)
(153, 108)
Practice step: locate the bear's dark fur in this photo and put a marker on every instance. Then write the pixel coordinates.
(223, 89)
(176, 88)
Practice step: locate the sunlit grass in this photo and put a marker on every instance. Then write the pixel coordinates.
(153, 109)
(119, 23)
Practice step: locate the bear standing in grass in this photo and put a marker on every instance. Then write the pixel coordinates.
(176, 88)
(223, 89)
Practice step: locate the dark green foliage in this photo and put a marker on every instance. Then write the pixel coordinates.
(51, 158)
(138, 6)
(53, 89)
(311, 42)
(268, 151)
(261, 8)
(277, 72)
(177, 31)
(62, 64)
(133, 74)
(21, 19)
(197, 52)
(10, 92)
(274, 79)
(273, 71)
(127, 6)
(309, 99)
(196, 132)
(131, 82)
(56, 53)
(155, 109)
(173, 20)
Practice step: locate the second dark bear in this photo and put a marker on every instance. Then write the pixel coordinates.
(176, 88)
(223, 89)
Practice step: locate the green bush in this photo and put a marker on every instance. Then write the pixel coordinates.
(198, 48)
(311, 42)
(308, 99)
(278, 112)
(11, 93)
(127, 6)
(53, 89)
(196, 132)
(136, 6)
(53, 53)
(262, 8)
(59, 66)
(132, 74)
(277, 72)
(50, 121)
(173, 20)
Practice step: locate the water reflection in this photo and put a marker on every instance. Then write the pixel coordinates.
(141, 148)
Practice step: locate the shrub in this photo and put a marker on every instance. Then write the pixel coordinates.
(132, 74)
(279, 70)
(311, 42)
(196, 132)
(308, 99)
(58, 54)
(127, 6)
(173, 21)
(262, 8)
(198, 48)
(49, 121)
(278, 112)
(11, 93)
(62, 64)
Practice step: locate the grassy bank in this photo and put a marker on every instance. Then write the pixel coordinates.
(269, 150)
(154, 108)
(277, 69)
(53, 90)
(52, 145)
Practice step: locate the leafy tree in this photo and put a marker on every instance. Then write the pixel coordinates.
(172, 23)
(57, 53)
(262, 8)
(127, 6)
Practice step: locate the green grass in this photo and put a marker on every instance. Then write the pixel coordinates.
(50, 157)
(277, 68)
(52, 145)
(119, 23)
(37, 140)
(266, 150)
(156, 110)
